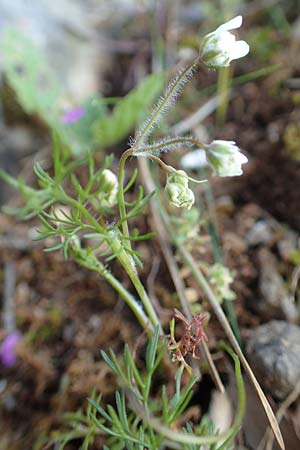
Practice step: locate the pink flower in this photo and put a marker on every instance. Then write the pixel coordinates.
(8, 355)
(73, 115)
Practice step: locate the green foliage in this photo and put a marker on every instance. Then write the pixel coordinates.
(76, 219)
(78, 135)
(129, 423)
(39, 92)
(29, 75)
(264, 43)
(65, 217)
(110, 129)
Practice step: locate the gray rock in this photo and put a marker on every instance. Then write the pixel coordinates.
(64, 32)
(274, 302)
(274, 353)
(260, 233)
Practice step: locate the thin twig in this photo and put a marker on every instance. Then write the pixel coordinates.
(197, 117)
(150, 282)
(294, 284)
(268, 438)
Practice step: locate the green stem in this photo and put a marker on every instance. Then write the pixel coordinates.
(124, 258)
(164, 144)
(128, 264)
(127, 297)
(170, 95)
(223, 93)
(170, 169)
(121, 198)
(122, 255)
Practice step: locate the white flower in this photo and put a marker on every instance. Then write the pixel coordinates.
(194, 160)
(225, 158)
(220, 47)
(177, 190)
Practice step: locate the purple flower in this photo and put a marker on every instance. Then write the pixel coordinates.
(73, 115)
(8, 355)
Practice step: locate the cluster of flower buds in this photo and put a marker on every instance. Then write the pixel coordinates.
(220, 47)
(178, 191)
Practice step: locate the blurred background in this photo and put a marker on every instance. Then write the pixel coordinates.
(90, 70)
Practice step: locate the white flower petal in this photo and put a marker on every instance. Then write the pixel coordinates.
(225, 158)
(194, 160)
(218, 142)
(232, 24)
(220, 47)
(226, 41)
(242, 158)
(240, 49)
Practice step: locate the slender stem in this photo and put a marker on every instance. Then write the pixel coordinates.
(170, 169)
(223, 93)
(122, 255)
(121, 198)
(124, 258)
(164, 144)
(115, 283)
(172, 91)
(128, 264)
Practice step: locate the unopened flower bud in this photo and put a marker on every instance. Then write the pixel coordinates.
(75, 243)
(220, 47)
(109, 188)
(178, 191)
(225, 158)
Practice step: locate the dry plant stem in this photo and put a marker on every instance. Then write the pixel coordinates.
(172, 266)
(226, 327)
(197, 117)
(268, 438)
